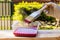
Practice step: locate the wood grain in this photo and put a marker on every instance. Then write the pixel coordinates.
(32, 38)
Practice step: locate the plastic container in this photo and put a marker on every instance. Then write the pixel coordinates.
(25, 32)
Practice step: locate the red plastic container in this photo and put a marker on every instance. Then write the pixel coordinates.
(25, 32)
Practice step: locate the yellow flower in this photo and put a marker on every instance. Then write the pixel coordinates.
(19, 16)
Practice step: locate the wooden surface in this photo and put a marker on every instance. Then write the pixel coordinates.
(43, 35)
(51, 38)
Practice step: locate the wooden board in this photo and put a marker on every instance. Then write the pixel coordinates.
(31, 38)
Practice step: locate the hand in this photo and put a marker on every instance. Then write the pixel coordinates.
(48, 4)
(51, 4)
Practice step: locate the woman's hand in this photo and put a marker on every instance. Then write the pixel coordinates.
(51, 4)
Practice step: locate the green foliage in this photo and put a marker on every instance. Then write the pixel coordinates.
(20, 14)
(44, 17)
(26, 11)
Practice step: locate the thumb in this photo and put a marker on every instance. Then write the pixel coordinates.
(48, 4)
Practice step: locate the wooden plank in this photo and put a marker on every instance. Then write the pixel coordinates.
(34, 38)
(0, 23)
(30, 0)
(7, 9)
(4, 9)
(2, 0)
(0, 9)
(9, 0)
(3, 24)
(9, 23)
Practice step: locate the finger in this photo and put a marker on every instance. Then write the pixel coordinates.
(54, 4)
(48, 4)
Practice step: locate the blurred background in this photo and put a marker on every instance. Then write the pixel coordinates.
(11, 10)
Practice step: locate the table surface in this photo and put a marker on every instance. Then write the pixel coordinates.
(41, 34)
